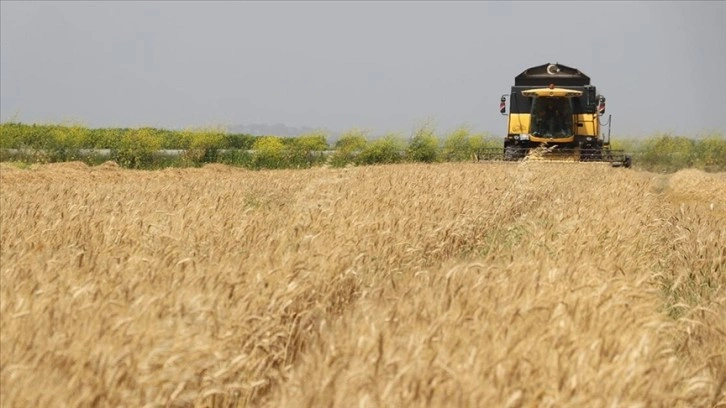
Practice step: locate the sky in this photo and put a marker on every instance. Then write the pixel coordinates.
(381, 66)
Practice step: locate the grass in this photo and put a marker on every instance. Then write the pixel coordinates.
(450, 284)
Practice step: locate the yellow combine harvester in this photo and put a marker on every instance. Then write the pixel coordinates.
(555, 115)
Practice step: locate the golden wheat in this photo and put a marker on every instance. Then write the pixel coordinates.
(536, 284)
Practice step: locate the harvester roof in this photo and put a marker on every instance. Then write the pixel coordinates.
(546, 74)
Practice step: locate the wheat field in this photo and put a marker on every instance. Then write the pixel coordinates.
(455, 284)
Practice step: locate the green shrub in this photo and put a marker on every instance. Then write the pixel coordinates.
(106, 138)
(628, 145)
(306, 150)
(424, 146)
(458, 145)
(20, 136)
(66, 142)
(202, 146)
(238, 157)
(385, 150)
(670, 153)
(12, 135)
(479, 141)
(667, 153)
(35, 138)
(239, 141)
(137, 148)
(710, 153)
(269, 151)
(348, 147)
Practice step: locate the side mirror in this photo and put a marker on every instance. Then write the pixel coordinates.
(503, 105)
(601, 105)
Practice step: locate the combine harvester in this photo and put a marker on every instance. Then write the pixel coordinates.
(555, 115)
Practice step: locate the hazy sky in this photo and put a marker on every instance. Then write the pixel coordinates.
(382, 66)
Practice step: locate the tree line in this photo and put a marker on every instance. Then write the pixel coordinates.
(139, 147)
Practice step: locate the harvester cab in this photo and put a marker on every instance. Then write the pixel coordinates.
(555, 114)
(551, 115)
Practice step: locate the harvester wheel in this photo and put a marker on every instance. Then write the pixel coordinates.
(628, 161)
(512, 153)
